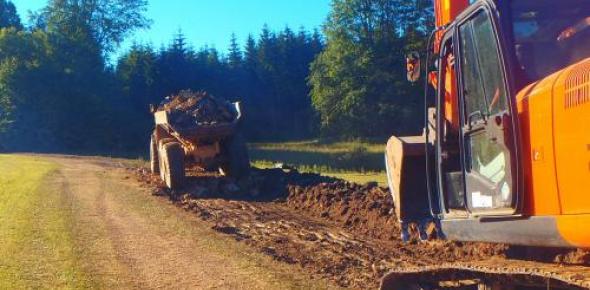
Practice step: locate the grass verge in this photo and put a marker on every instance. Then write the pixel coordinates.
(358, 162)
(37, 248)
(321, 146)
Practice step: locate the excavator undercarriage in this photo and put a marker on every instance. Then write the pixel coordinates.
(489, 275)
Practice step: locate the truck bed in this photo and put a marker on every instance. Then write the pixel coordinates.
(196, 132)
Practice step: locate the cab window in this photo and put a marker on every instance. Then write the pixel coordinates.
(487, 156)
(485, 91)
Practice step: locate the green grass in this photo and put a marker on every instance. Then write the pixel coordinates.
(321, 146)
(361, 178)
(356, 161)
(340, 156)
(36, 244)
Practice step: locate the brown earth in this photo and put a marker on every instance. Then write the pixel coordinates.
(334, 229)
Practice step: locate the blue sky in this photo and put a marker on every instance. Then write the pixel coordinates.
(211, 22)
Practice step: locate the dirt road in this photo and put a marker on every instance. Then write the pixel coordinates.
(125, 238)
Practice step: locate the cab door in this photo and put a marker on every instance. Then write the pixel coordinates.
(488, 125)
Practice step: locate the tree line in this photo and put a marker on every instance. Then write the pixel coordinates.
(60, 91)
(268, 75)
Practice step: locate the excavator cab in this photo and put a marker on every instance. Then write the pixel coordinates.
(470, 144)
(509, 104)
(476, 143)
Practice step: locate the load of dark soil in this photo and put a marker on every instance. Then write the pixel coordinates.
(190, 108)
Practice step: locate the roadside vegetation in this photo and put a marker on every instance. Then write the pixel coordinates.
(355, 161)
(325, 146)
(37, 248)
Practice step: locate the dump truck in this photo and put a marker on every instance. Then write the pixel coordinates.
(505, 152)
(197, 129)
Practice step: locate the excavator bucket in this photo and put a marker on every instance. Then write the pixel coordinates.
(406, 167)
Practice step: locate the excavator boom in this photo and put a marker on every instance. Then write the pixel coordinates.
(445, 12)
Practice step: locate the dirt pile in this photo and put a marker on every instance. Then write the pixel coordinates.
(366, 209)
(190, 108)
(272, 184)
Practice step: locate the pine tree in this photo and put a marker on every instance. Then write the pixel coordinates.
(137, 72)
(175, 66)
(235, 53)
(250, 54)
(317, 41)
(178, 46)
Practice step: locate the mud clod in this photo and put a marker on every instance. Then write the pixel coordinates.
(226, 230)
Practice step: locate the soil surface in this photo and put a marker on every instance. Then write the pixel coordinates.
(337, 230)
(129, 239)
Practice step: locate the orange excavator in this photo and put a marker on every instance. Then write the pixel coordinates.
(505, 153)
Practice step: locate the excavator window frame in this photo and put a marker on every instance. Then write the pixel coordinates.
(442, 184)
(504, 54)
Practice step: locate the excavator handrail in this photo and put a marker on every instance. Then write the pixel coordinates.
(429, 45)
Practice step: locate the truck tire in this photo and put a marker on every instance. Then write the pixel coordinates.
(238, 161)
(173, 165)
(154, 158)
(160, 150)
